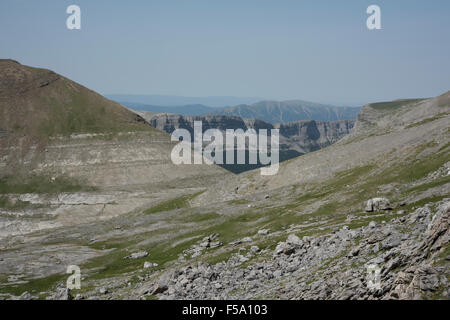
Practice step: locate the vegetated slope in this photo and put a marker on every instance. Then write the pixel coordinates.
(36, 104)
(287, 111)
(296, 138)
(78, 127)
(70, 156)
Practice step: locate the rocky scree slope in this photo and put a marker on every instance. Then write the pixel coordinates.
(411, 252)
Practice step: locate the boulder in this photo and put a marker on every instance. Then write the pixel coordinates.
(372, 224)
(215, 244)
(149, 264)
(62, 293)
(103, 290)
(294, 240)
(285, 248)
(278, 273)
(25, 296)
(158, 288)
(137, 255)
(377, 204)
(254, 249)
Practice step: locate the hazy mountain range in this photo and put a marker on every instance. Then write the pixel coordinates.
(186, 110)
(269, 111)
(168, 100)
(287, 111)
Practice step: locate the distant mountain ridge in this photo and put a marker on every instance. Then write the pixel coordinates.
(186, 110)
(288, 111)
(170, 101)
(268, 111)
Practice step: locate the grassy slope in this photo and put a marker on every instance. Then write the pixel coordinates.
(38, 104)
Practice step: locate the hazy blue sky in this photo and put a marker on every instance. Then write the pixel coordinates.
(312, 50)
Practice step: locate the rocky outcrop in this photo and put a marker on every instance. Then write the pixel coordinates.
(169, 122)
(377, 204)
(307, 136)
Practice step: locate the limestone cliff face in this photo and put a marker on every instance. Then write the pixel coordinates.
(299, 136)
(169, 122)
(307, 136)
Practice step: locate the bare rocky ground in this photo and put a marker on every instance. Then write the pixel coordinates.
(150, 230)
(407, 251)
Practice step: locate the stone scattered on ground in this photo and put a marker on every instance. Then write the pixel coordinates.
(148, 264)
(137, 255)
(377, 204)
(209, 242)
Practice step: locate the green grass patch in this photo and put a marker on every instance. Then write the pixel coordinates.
(420, 203)
(393, 105)
(378, 217)
(7, 204)
(172, 204)
(238, 201)
(82, 111)
(412, 170)
(35, 286)
(40, 184)
(197, 217)
(115, 264)
(436, 183)
(427, 120)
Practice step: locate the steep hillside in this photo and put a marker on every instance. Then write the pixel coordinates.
(288, 111)
(37, 105)
(69, 156)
